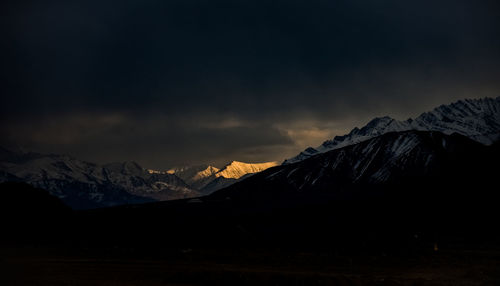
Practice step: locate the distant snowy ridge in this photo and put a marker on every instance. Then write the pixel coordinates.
(208, 179)
(82, 184)
(478, 119)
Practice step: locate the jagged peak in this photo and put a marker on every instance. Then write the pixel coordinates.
(208, 171)
(192, 174)
(237, 169)
(378, 121)
(478, 103)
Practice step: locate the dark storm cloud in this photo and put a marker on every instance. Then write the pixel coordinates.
(108, 137)
(221, 80)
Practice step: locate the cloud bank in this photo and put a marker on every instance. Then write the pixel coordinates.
(169, 83)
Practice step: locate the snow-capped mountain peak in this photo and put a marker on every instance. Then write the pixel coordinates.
(207, 172)
(207, 179)
(194, 175)
(236, 169)
(478, 119)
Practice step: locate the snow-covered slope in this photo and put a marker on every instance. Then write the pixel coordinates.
(195, 176)
(232, 173)
(236, 170)
(82, 184)
(478, 119)
(208, 179)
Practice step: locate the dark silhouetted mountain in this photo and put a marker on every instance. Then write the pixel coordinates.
(20, 198)
(368, 169)
(26, 211)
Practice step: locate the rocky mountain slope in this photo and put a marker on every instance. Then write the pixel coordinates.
(371, 166)
(478, 119)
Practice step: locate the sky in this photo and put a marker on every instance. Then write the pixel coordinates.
(183, 82)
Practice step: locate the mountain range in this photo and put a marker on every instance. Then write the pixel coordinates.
(478, 119)
(83, 185)
(405, 195)
(390, 163)
(385, 151)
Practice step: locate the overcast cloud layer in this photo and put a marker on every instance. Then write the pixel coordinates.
(168, 83)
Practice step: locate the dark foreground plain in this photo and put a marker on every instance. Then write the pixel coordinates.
(31, 265)
(223, 243)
